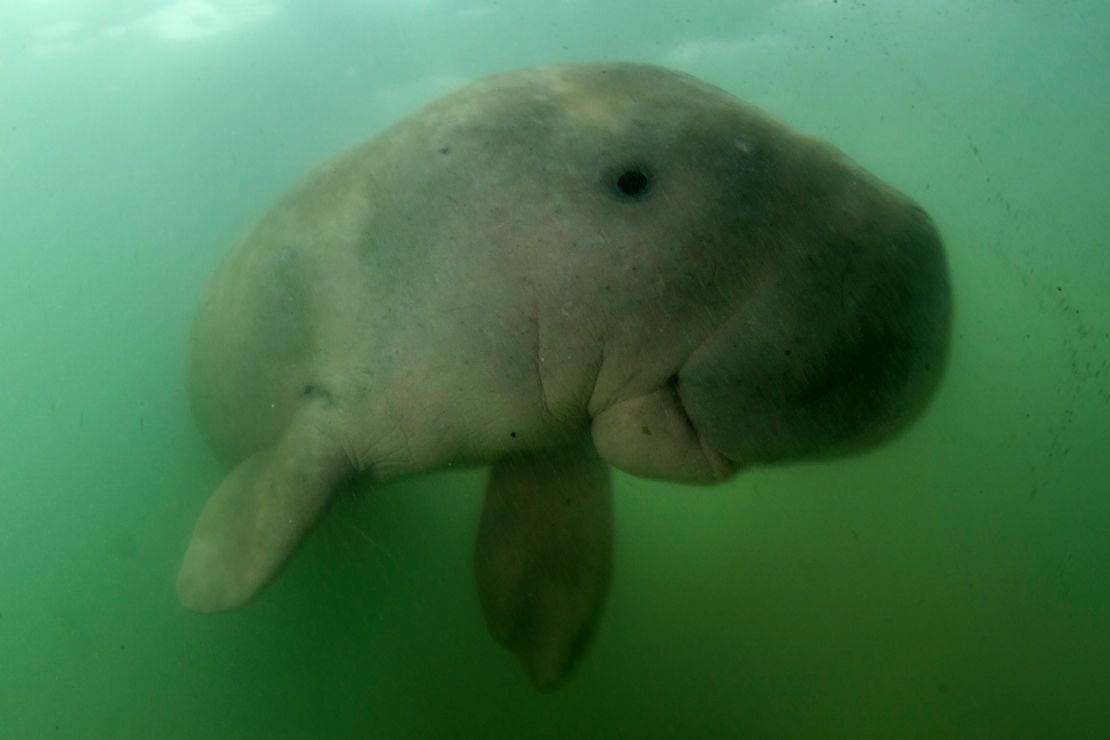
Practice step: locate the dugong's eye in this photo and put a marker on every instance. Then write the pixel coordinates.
(631, 182)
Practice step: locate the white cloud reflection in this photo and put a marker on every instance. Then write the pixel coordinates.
(188, 20)
(698, 51)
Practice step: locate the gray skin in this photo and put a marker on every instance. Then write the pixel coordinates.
(553, 271)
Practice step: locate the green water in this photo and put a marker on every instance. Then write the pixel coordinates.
(955, 583)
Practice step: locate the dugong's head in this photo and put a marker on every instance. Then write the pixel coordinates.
(740, 292)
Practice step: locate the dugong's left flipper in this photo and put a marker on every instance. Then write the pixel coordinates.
(544, 556)
(260, 512)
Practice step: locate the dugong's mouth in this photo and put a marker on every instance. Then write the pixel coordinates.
(653, 436)
(722, 466)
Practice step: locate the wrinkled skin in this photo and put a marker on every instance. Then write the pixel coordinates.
(554, 271)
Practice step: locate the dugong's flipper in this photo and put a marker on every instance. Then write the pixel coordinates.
(544, 556)
(260, 511)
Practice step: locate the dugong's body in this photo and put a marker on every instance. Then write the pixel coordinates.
(550, 271)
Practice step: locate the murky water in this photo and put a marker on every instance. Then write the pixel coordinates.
(951, 584)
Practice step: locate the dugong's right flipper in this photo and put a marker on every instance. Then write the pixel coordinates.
(544, 556)
(261, 511)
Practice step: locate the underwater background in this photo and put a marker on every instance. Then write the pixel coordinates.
(954, 583)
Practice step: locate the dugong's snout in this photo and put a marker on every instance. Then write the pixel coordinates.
(838, 347)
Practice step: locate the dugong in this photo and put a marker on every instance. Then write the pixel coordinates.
(554, 271)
